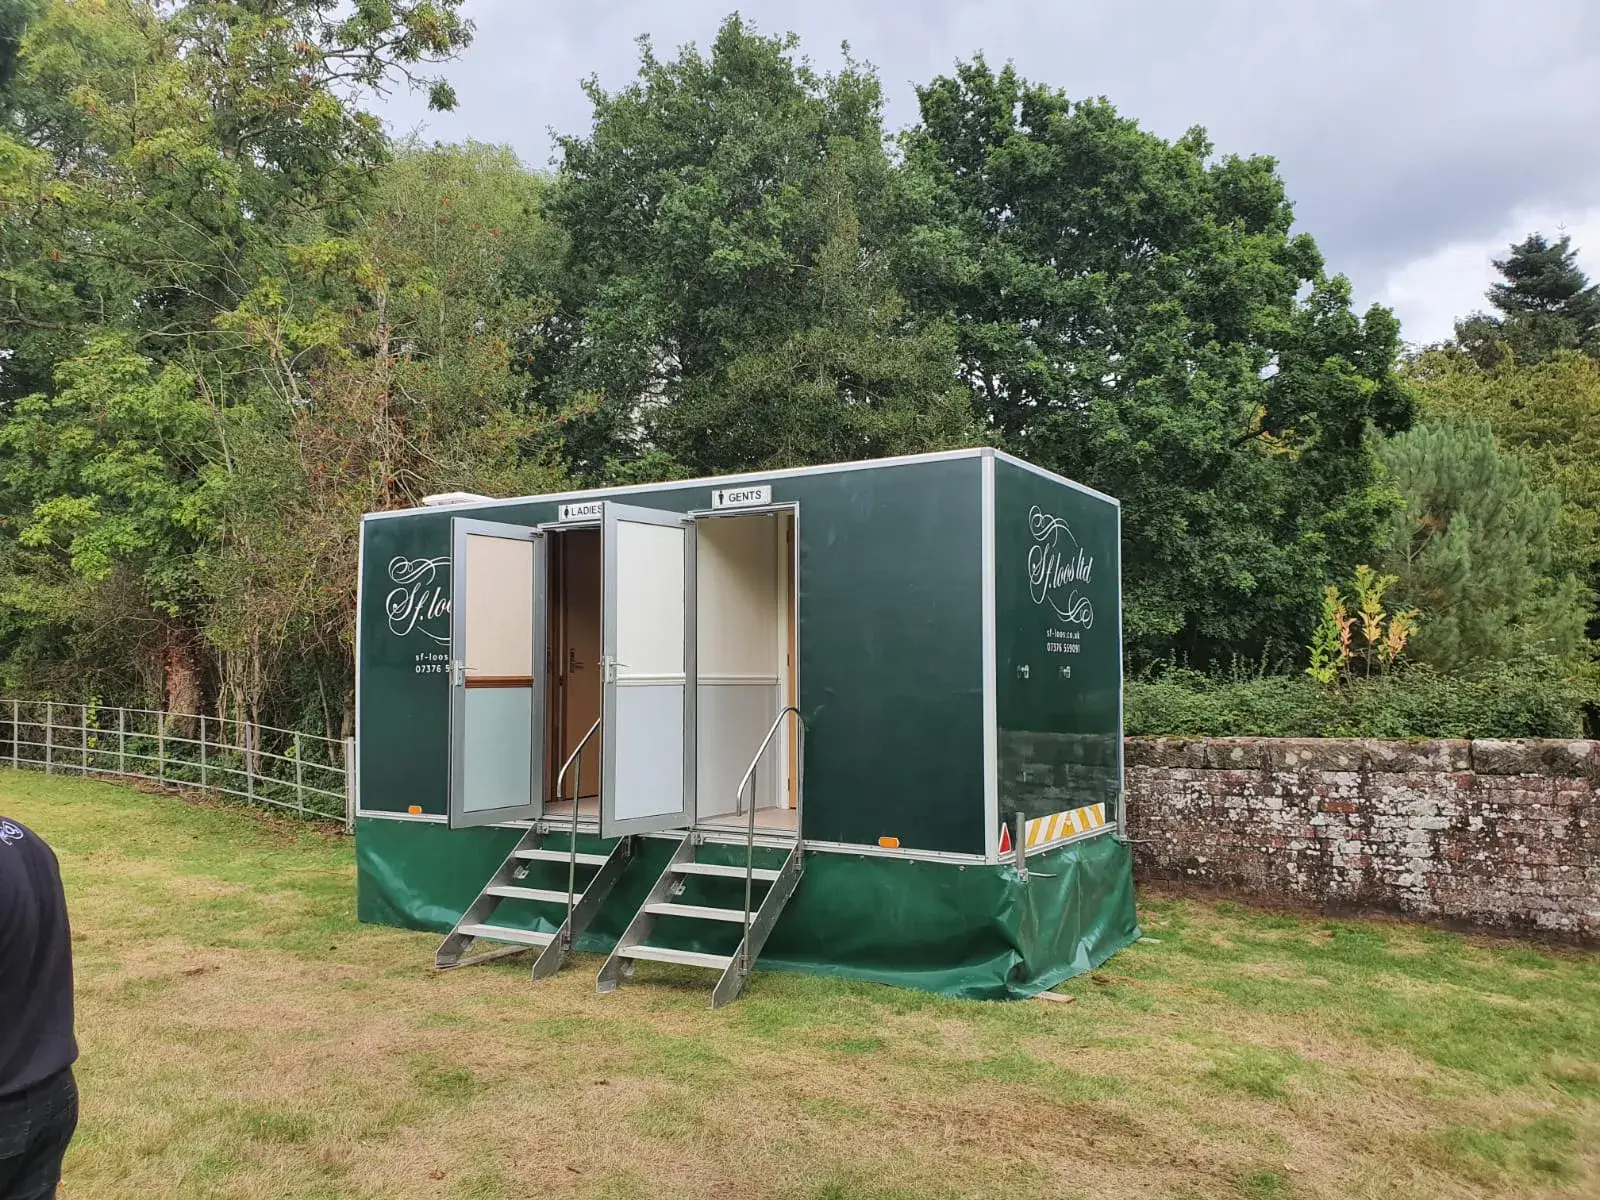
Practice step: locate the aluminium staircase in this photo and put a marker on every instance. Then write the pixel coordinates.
(507, 883)
(683, 871)
(686, 870)
(725, 900)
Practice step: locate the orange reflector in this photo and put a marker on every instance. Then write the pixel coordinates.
(889, 843)
(415, 810)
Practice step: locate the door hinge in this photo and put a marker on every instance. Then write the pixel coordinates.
(458, 673)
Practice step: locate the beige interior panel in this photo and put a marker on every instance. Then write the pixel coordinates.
(737, 598)
(499, 619)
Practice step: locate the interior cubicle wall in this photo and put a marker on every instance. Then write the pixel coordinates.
(740, 601)
(890, 642)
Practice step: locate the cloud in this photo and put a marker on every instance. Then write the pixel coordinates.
(1428, 293)
(1405, 132)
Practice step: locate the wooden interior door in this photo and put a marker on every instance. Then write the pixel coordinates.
(578, 662)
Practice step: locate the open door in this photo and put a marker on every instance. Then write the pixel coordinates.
(497, 662)
(647, 662)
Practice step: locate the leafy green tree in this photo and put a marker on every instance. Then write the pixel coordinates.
(182, 186)
(727, 301)
(1548, 415)
(1546, 304)
(1137, 315)
(418, 399)
(1472, 549)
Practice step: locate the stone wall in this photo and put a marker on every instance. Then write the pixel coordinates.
(1496, 834)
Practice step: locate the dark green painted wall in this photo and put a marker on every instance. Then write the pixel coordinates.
(1058, 645)
(890, 650)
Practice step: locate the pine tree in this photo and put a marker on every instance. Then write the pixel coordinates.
(1546, 305)
(1471, 548)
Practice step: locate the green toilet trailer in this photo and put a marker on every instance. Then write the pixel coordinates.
(861, 720)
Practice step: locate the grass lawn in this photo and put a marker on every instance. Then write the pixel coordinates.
(243, 1036)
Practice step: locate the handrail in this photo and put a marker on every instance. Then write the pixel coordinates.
(750, 824)
(577, 790)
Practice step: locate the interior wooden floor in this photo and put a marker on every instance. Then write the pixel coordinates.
(766, 818)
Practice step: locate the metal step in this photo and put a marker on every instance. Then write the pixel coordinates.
(503, 933)
(538, 854)
(759, 874)
(689, 958)
(508, 891)
(697, 911)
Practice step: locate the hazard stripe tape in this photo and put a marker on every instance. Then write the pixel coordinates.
(1041, 831)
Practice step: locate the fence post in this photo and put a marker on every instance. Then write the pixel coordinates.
(299, 790)
(16, 735)
(161, 746)
(84, 740)
(122, 741)
(349, 785)
(49, 722)
(249, 760)
(202, 750)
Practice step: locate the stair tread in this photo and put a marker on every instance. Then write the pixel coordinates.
(698, 911)
(540, 854)
(503, 933)
(508, 891)
(689, 958)
(724, 871)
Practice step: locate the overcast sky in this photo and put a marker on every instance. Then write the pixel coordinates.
(1418, 137)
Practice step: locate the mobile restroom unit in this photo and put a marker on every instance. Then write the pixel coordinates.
(860, 720)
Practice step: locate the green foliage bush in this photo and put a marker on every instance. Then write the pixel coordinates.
(1539, 698)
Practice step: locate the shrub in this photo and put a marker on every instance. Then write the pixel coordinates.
(1535, 699)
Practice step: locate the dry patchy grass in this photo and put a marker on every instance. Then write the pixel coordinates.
(243, 1037)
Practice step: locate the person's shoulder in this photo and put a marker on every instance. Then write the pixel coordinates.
(19, 839)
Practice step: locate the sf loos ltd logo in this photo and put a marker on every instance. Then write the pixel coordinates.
(419, 601)
(1059, 570)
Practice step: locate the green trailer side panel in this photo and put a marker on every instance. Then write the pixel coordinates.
(1058, 648)
(891, 655)
(891, 665)
(403, 701)
(973, 932)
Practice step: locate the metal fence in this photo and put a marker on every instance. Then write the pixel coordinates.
(304, 773)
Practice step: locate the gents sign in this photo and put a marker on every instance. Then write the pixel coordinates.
(741, 497)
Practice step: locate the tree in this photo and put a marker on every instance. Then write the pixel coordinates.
(182, 187)
(1546, 305)
(1548, 415)
(726, 301)
(1137, 315)
(1472, 549)
(417, 400)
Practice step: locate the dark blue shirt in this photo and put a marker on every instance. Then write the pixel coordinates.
(36, 1039)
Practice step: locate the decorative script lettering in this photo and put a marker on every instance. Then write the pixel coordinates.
(1058, 568)
(420, 598)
